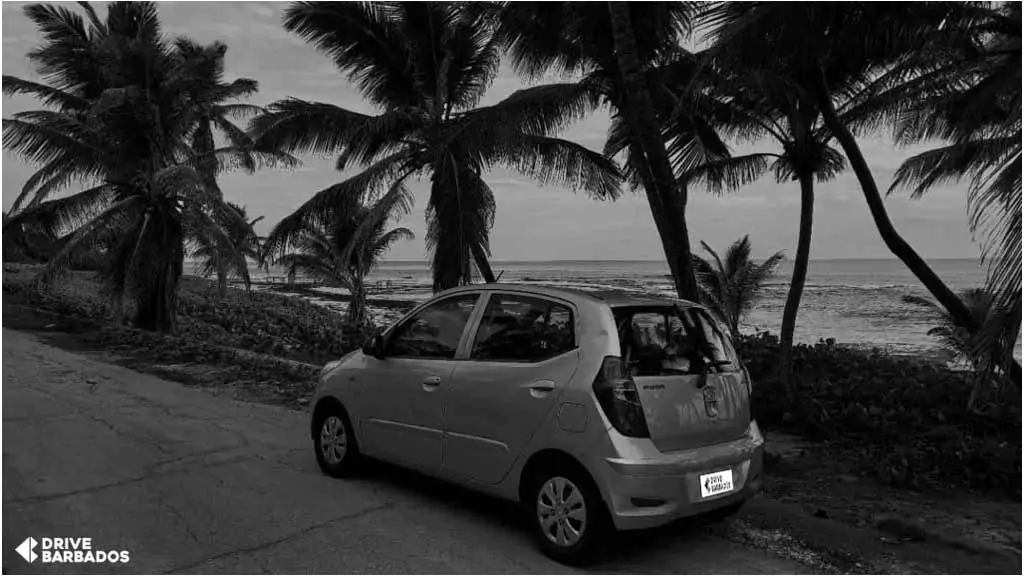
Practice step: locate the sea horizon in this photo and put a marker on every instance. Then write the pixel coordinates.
(860, 302)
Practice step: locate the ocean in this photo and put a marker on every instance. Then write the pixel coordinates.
(857, 302)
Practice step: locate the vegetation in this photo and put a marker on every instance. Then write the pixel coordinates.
(127, 111)
(242, 245)
(866, 64)
(898, 419)
(572, 38)
(425, 67)
(277, 325)
(145, 124)
(971, 101)
(729, 287)
(754, 105)
(345, 251)
(983, 355)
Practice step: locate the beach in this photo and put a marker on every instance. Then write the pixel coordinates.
(856, 302)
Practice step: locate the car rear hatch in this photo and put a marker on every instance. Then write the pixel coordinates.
(693, 389)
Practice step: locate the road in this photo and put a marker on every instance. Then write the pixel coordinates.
(191, 483)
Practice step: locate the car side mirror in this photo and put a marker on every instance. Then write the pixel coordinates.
(374, 346)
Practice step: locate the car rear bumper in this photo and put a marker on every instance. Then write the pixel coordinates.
(649, 492)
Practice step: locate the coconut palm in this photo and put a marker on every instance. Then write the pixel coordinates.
(702, 101)
(223, 261)
(972, 102)
(984, 356)
(573, 38)
(844, 54)
(343, 253)
(124, 106)
(424, 67)
(729, 287)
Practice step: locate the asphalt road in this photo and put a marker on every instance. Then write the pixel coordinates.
(187, 482)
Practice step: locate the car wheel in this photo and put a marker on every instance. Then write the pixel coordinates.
(335, 443)
(567, 515)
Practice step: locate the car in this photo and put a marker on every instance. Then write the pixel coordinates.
(596, 411)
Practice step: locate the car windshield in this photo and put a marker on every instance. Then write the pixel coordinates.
(667, 340)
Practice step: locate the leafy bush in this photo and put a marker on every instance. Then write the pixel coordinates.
(268, 324)
(900, 419)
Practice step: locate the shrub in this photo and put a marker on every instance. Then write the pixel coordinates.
(269, 324)
(901, 419)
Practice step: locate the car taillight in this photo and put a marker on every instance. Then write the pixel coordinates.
(618, 396)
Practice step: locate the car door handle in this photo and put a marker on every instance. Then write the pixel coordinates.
(430, 383)
(540, 388)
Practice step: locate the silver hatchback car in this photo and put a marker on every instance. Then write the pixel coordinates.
(596, 411)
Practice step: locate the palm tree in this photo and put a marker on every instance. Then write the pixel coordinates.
(704, 100)
(225, 261)
(425, 66)
(342, 253)
(843, 54)
(573, 38)
(986, 358)
(972, 102)
(123, 113)
(730, 286)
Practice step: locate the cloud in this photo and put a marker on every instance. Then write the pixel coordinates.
(533, 221)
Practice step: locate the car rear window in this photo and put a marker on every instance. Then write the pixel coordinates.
(666, 340)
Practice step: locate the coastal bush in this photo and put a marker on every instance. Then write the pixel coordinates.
(267, 323)
(899, 419)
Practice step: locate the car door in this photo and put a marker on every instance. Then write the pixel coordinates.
(521, 358)
(408, 384)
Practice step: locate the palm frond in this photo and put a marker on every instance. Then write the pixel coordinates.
(320, 211)
(13, 86)
(63, 215)
(549, 161)
(540, 110)
(728, 174)
(98, 225)
(295, 125)
(365, 41)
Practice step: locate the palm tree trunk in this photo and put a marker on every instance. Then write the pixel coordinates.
(222, 277)
(157, 307)
(356, 314)
(796, 285)
(482, 264)
(157, 303)
(896, 244)
(666, 198)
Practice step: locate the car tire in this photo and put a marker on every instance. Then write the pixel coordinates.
(572, 527)
(337, 452)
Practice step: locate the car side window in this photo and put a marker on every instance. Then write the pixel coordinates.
(524, 329)
(433, 332)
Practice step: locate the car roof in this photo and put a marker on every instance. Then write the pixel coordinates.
(614, 298)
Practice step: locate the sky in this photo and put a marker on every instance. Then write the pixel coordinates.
(533, 222)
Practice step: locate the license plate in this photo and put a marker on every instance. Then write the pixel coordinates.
(715, 483)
